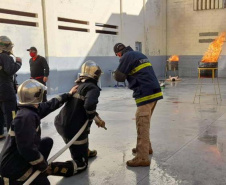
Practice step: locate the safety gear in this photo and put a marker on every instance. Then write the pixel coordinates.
(80, 108)
(92, 153)
(119, 47)
(135, 162)
(66, 169)
(32, 54)
(140, 76)
(5, 44)
(99, 122)
(21, 154)
(90, 69)
(31, 92)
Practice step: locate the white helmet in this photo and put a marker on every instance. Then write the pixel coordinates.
(31, 92)
(90, 69)
(5, 44)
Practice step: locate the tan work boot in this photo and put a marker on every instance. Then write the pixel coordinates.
(92, 153)
(135, 162)
(134, 150)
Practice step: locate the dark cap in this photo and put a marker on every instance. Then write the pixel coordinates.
(119, 47)
(32, 48)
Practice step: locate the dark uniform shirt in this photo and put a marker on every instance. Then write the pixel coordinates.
(39, 67)
(8, 68)
(21, 148)
(137, 69)
(78, 109)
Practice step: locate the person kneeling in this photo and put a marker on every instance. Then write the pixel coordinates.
(24, 151)
(72, 117)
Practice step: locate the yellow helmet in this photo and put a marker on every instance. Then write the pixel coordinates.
(5, 44)
(90, 69)
(31, 92)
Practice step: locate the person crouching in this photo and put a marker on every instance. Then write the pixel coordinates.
(24, 151)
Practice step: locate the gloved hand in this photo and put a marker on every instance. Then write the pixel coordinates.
(42, 166)
(99, 122)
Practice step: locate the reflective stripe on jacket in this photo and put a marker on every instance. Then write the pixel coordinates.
(139, 72)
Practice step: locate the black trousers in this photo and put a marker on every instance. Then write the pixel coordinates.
(45, 148)
(79, 151)
(6, 114)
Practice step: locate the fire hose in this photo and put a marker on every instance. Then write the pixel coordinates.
(30, 180)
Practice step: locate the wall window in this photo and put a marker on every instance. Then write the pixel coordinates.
(138, 46)
(209, 4)
(113, 31)
(19, 22)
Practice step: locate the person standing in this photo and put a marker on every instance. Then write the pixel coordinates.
(8, 69)
(39, 68)
(137, 69)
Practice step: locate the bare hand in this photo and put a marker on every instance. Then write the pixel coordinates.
(45, 79)
(18, 59)
(99, 122)
(73, 90)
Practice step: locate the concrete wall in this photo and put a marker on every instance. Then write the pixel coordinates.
(66, 50)
(23, 37)
(184, 26)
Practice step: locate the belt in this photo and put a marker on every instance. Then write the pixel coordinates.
(38, 77)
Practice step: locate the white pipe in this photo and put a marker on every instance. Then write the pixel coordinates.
(30, 180)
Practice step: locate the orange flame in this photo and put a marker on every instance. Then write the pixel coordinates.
(174, 58)
(214, 49)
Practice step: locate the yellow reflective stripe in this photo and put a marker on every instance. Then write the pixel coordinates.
(81, 142)
(11, 132)
(13, 114)
(41, 158)
(6, 180)
(150, 97)
(26, 175)
(76, 95)
(138, 68)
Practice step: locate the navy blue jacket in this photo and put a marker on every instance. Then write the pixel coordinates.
(137, 69)
(78, 109)
(21, 148)
(8, 68)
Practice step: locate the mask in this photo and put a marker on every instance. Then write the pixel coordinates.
(32, 54)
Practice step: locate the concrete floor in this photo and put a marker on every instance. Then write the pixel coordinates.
(189, 140)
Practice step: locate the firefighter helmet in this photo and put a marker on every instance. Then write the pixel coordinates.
(31, 92)
(90, 69)
(5, 44)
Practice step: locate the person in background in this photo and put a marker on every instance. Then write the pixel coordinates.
(39, 68)
(8, 69)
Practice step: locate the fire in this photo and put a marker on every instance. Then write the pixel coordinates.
(174, 58)
(214, 49)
